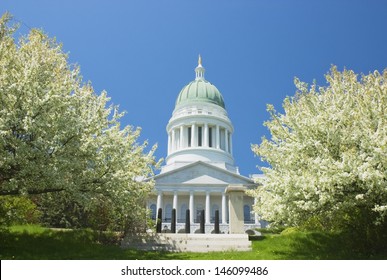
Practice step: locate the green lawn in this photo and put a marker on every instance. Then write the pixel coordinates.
(34, 242)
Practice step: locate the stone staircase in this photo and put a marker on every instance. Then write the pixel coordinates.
(188, 242)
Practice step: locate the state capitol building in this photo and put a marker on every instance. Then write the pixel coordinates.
(200, 164)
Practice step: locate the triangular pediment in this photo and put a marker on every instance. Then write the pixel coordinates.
(200, 173)
(205, 179)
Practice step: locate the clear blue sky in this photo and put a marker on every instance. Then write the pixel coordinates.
(142, 52)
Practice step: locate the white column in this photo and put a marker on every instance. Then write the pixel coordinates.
(224, 208)
(193, 134)
(208, 208)
(226, 140)
(217, 137)
(191, 206)
(230, 144)
(175, 203)
(169, 143)
(256, 217)
(173, 140)
(205, 135)
(175, 200)
(159, 201)
(181, 137)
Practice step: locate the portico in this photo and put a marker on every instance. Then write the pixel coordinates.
(199, 186)
(195, 201)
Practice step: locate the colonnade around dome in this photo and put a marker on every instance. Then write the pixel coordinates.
(197, 135)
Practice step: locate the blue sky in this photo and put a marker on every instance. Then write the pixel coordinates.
(142, 52)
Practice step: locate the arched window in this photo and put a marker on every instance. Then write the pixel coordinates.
(153, 211)
(168, 213)
(246, 213)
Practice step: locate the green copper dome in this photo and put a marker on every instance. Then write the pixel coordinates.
(199, 90)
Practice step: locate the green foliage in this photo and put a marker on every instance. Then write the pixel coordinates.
(290, 230)
(60, 210)
(18, 210)
(271, 229)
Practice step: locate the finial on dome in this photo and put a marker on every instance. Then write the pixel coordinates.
(199, 69)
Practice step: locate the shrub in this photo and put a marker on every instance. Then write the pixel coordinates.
(18, 210)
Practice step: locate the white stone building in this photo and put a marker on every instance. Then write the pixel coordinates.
(200, 164)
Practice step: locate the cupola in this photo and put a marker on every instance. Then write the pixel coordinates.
(199, 129)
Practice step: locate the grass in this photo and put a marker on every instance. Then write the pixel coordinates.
(295, 246)
(34, 242)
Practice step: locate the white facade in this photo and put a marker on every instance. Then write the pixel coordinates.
(199, 165)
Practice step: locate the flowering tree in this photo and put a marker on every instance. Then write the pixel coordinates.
(58, 136)
(327, 154)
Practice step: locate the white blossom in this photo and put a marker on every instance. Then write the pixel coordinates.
(57, 134)
(327, 151)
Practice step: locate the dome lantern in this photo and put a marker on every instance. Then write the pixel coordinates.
(200, 69)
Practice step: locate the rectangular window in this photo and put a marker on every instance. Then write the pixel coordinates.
(210, 137)
(200, 132)
(189, 136)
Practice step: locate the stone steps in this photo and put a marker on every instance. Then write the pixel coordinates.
(189, 242)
